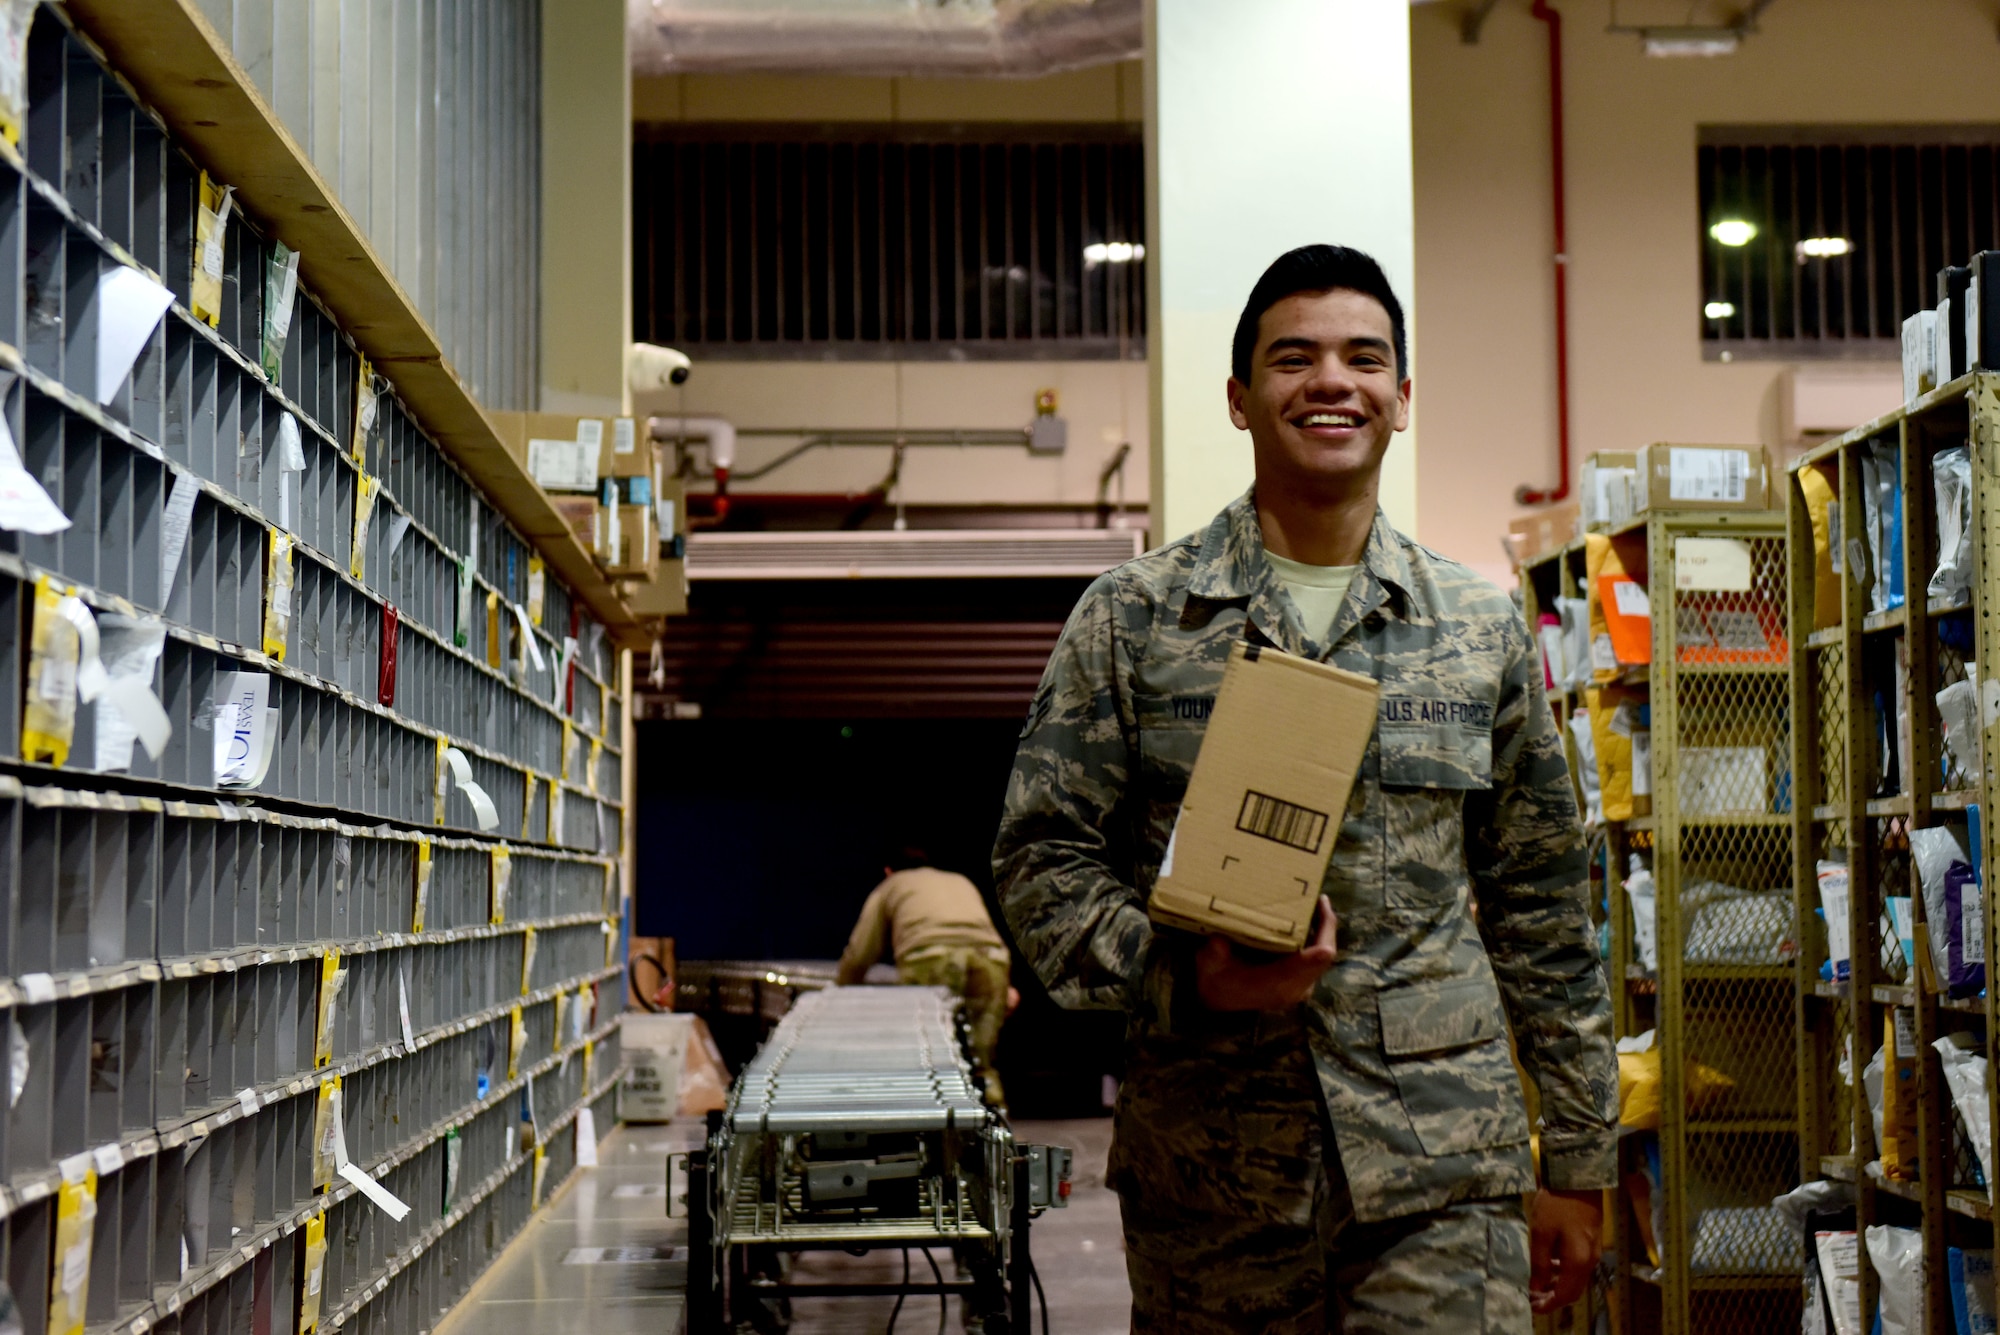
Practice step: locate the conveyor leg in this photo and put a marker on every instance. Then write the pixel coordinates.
(1020, 1265)
(704, 1293)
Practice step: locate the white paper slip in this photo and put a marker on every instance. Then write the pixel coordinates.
(291, 459)
(244, 728)
(127, 708)
(39, 988)
(624, 440)
(1707, 475)
(528, 636)
(403, 1008)
(1718, 564)
(397, 528)
(174, 529)
(25, 506)
(108, 1158)
(380, 1196)
(483, 809)
(1632, 599)
(590, 433)
(563, 465)
(129, 307)
(246, 1099)
(586, 1138)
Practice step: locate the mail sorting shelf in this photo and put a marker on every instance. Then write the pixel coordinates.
(183, 943)
(1547, 581)
(1866, 693)
(1723, 996)
(81, 204)
(145, 1056)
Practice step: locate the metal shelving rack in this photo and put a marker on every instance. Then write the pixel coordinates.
(1726, 992)
(185, 970)
(1846, 810)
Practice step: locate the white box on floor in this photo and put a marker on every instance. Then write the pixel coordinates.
(655, 1048)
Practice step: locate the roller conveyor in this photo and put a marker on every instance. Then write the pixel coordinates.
(860, 1125)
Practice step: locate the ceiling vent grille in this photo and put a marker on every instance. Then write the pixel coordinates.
(922, 554)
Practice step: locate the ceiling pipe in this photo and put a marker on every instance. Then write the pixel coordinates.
(1525, 494)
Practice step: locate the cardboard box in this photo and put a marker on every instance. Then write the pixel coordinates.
(1605, 488)
(664, 595)
(566, 454)
(1263, 810)
(1704, 477)
(628, 546)
(580, 512)
(1543, 531)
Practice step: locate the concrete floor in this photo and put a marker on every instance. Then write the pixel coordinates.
(553, 1281)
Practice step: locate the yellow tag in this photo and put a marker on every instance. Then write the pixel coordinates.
(331, 976)
(315, 1274)
(527, 801)
(501, 879)
(562, 1006)
(589, 1055)
(596, 757)
(69, 1270)
(493, 630)
(610, 890)
(537, 582)
(437, 814)
(211, 226)
(517, 1039)
(48, 721)
(322, 1162)
(278, 594)
(364, 508)
(568, 745)
(528, 966)
(540, 1172)
(423, 884)
(555, 811)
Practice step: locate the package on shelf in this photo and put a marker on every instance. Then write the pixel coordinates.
(1951, 472)
(1919, 355)
(1744, 1239)
(1964, 1067)
(1639, 1085)
(1898, 1257)
(1725, 780)
(564, 453)
(1954, 908)
(1605, 494)
(1896, 1140)
(1616, 713)
(1702, 477)
(1823, 514)
(1730, 925)
(1831, 877)
(1969, 1273)
(1881, 470)
(1535, 534)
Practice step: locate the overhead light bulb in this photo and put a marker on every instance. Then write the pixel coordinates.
(1113, 252)
(1733, 231)
(1824, 247)
(1719, 310)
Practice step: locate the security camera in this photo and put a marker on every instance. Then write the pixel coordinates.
(649, 366)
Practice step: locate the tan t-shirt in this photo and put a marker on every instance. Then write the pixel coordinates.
(1316, 592)
(920, 909)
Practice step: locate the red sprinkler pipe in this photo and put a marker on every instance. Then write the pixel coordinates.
(1524, 494)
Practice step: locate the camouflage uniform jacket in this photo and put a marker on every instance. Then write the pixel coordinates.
(1459, 875)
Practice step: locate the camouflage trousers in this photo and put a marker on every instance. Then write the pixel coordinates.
(1237, 1217)
(978, 975)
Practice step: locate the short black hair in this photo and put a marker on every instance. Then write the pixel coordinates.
(1319, 268)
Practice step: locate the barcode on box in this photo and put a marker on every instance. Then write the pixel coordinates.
(1708, 475)
(1281, 822)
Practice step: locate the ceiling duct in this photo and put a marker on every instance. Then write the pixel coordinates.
(912, 554)
(881, 38)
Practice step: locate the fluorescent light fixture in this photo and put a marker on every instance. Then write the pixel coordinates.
(1113, 252)
(1718, 310)
(1824, 247)
(1672, 42)
(1733, 231)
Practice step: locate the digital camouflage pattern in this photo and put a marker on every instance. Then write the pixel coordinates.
(1459, 881)
(978, 976)
(1233, 1213)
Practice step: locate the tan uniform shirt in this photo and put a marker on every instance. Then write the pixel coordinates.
(921, 909)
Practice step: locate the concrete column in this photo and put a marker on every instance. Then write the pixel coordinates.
(1269, 124)
(586, 207)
